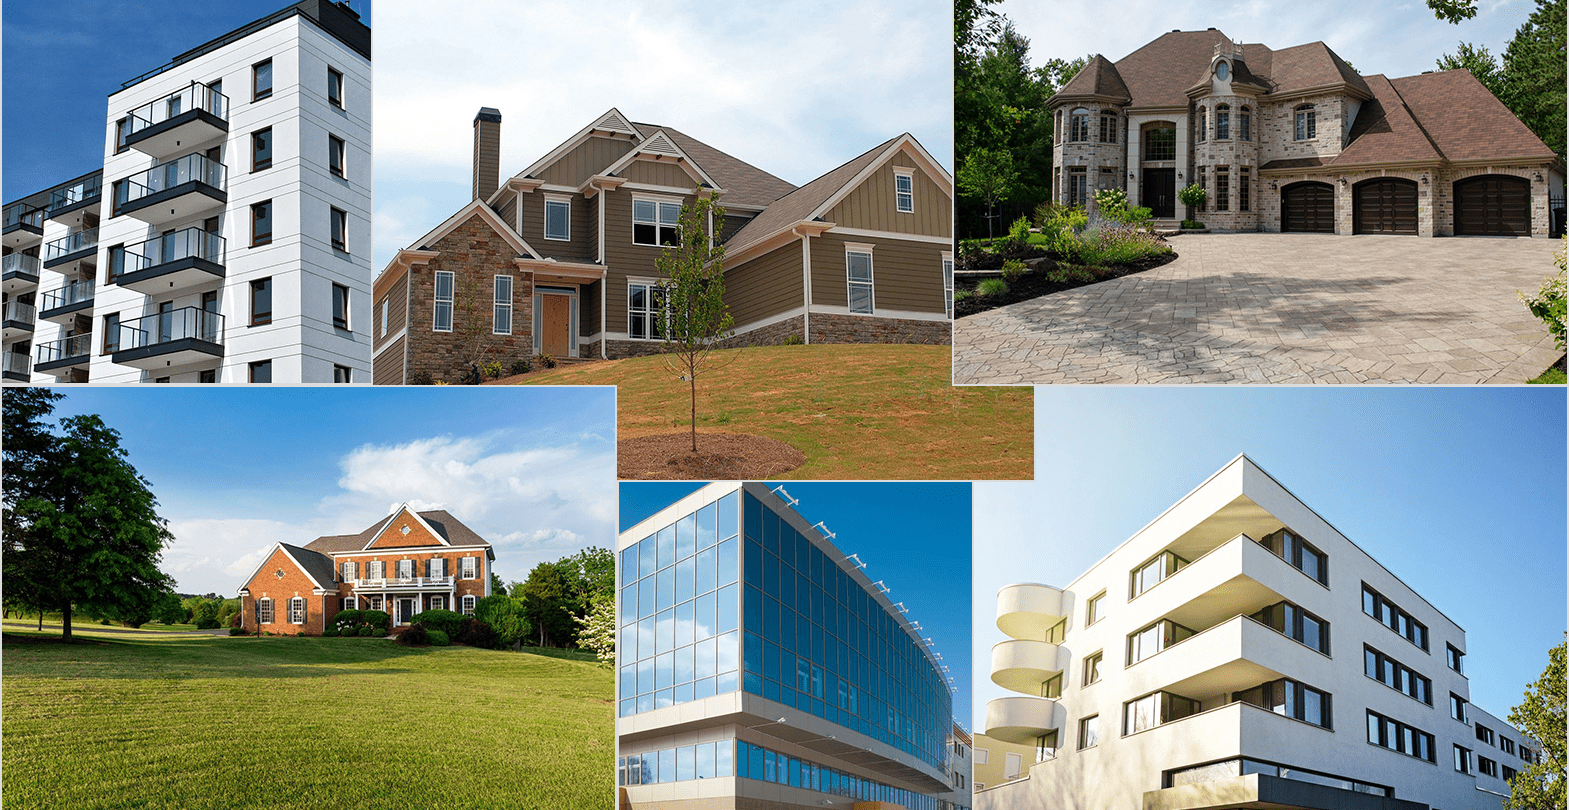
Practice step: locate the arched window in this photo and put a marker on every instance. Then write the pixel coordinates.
(1079, 125)
(1222, 70)
(1245, 124)
(1307, 123)
(1108, 126)
(1222, 121)
(1160, 142)
(1203, 124)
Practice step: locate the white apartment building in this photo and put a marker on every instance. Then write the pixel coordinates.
(1239, 651)
(227, 237)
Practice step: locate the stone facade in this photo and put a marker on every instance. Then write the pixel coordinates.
(1540, 190)
(475, 253)
(828, 328)
(1104, 164)
(773, 334)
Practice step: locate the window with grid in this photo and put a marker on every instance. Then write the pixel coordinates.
(468, 605)
(442, 311)
(297, 610)
(656, 222)
(264, 611)
(469, 568)
(1223, 188)
(1307, 123)
(405, 569)
(502, 313)
(1222, 122)
(1244, 188)
(904, 192)
(645, 307)
(858, 271)
(1108, 126)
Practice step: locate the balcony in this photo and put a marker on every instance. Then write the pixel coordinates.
(24, 226)
(1024, 666)
(177, 122)
(169, 192)
(18, 320)
(1237, 576)
(16, 367)
(1028, 610)
(61, 306)
(181, 261)
(403, 583)
(61, 254)
(60, 357)
(78, 196)
(21, 271)
(1020, 720)
(185, 337)
(1231, 656)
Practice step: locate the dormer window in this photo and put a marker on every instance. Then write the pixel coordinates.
(1079, 125)
(1245, 124)
(1203, 124)
(1108, 126)
(1307, 123)
(1222, 121)
(1222, 71)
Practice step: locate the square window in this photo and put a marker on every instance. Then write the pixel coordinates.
(335, 88)
(558, 219)
(656, 222)
(261, 80)
(335, 151)
(261, 371)
(261, 224)
(339, 219)
(442, 309)
(261, 302)
(340, 306)
(261, 149)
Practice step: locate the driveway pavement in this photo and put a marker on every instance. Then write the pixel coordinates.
(1281, 308)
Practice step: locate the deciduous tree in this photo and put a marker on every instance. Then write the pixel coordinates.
(693, 285)
(597, 629)
(1540, 785)
(1478, 61)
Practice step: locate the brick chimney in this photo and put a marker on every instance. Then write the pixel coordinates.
(487, 152)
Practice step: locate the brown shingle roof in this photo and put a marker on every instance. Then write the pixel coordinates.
(1311, 65)
(1099, 77)
(1294, 163)
(744, 183)
(799, 204)
(1385, 131)
(449, 527)
(1466, 121)
(1160, 73)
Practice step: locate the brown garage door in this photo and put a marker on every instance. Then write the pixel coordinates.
(1307, 207)
(1493, 205)
(1384, 205)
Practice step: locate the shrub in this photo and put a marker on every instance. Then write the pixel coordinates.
(547, 361)
(421, 378)
(991, 286)
(367, 630)
(1109, 243)
(414, 636)
(962, 295)
(1192, 223)
(1548, 305)
(204, 623)
(504, 617)
(493, 370)
(1070, 273)
(522, 365)
(792, 339)
(475, 633)
(330, 632)
(444, 620)
(1012, 270)
(1047, 211)
(1019, 231)
(379, 619)
(236, 631)
(438, 638)
(1193, 196)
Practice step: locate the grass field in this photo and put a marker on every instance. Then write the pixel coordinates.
(856, 411)
(161, 722)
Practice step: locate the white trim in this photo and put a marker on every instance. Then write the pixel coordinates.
(464, 571)
(292, 558)
(466, 604)
(654, 285)
(829, 309)
(929, 165)
(405, 549)
(907, 237)
(433, 598)
(421, 521)
(650, 187)
(436, 300)
(661, 144)
(303, 609)
(572, 143)
(497, 304)
(386, 311)
(900, 197)
(658, 223)
(770, 320)
(806, 289)
(557, 199)
(272, 612)
(860, 249)
(491, 218)
(388, 343)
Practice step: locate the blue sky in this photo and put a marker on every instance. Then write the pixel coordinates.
(793, 88)
(235, 470)
(1396, 39)
(915, 537)
(62, 60)
(1457, 491)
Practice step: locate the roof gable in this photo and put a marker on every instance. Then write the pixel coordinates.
(611, 123)
(1385, 131)
(1098, 77)
(660, 146)
(486, 214)
(1465, 121)
(744, 184)
(451, 530)
(800, 204)
(1304, 67)
(314, 565)
(406, 529)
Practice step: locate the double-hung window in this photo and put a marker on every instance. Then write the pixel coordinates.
(405, 569)
(377, 567)
(442, 315)
(558, 218)
(264, 611)
(503, 306)
(656, 222)
(470, 568)
(468, 605)
(947, 283)
(904, 192)
(645, 310)
(858, 276)
(438, 567)
(348, 570)
(297, 610)
(1307, 123)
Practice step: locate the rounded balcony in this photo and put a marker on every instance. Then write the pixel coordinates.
(1028, 610)
(1023, 665)
(1019, 720)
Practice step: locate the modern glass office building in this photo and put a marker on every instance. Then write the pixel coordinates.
(757, 665)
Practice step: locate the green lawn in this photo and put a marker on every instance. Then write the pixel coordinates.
(160, 722)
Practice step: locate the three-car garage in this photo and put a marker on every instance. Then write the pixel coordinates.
(1485, 205)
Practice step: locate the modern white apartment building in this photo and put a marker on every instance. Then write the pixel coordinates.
(227, 237)
(758, 668)
(1239, 651)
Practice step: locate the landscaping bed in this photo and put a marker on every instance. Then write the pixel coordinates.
(1044, 276)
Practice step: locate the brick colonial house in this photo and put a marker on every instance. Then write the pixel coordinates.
(406, 563)
(1297, 140)
(559, 259)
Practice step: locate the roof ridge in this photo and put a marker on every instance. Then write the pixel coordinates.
(1414, 117)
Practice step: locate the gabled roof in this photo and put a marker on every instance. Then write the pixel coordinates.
(799, 204)
(744, 184)
(440, 521)
(1385, 131)
(611, 122)
(1097, 78)
(1160, 73)
(1488, 130)
(661, 144)
(1312, 65)
(316, 566)
(491, 218)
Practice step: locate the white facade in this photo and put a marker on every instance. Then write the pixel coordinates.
(1223, 591)
(183, 323)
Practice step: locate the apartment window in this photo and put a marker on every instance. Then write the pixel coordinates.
(335, 150)
(1245, 124)
(1307, 123)
(470, 568)
(1396, 676)
(645, 303)
(122, 130)
(1057, 632)
(261, 80)
(1391, 616)
(161, 380)
(297, 610)
(207, 376)
(1507, 744)
(1108, 126)
(1079, 125)
(1487, 767)
(1155, 638)
(335, 88)
(1485, 734)
(442, 309)
(1154, 572)
(1243, 189)
(348, 570)
(502, 314)
(261, 149)
(1526, 754)
(384, 312)
(1092, 609)
(111, 333)
(1223, 189)
(340, 229)
(1222, 122)
(1462, 759)
(264, 611)
(1397, 736)
(1013, 765)
(261, 224)
(1292, 699)
(1285, 544)
(656, 222)
(261, 371)
(342, 375)
(261, 302)
(1088, 734)
(340, 306)
(904, 192)
(858, 273)
(1045, 748)
(1509, 773)
(1455, 658)
(1052, 688)
(1297, 624)
(1457, 707)
(1092, 667)
(947, 284)
(558, 218)
(468, 605)
(1155, 709)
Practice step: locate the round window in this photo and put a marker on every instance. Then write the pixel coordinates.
(1221, 70)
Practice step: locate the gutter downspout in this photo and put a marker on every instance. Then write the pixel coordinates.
(806, 287)
(408, 333)
(604, 277)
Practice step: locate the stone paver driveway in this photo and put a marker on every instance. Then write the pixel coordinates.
(1281, 308)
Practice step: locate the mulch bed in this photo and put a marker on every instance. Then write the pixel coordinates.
(719, 457)
(1034, 284)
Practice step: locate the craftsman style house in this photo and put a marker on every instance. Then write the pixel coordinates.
(560, 258)
(1297, 140)
(404, 564)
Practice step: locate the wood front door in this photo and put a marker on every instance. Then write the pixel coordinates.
(555, 324)
(1158, 192)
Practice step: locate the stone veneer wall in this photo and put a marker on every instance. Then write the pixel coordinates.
(1276, 128)
(1435, 199)
(1092, 155)
(1234, 154)
(828, 328)
(475, 254)
(1540, 216)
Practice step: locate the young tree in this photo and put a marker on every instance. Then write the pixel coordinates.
(168, 610)
(548, 601)
(598, 629)
(496, 585)
(1540, 785)
(988, 175)
(693, 286)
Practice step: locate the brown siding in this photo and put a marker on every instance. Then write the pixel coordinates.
(622, 258)
(396, 295)
(584, 244)
(871, 205)
(293, 583)
(905, 275)
(387, 367)
(509, 211)
(589, 158)
(658, 174)
(765, 286)
(588, 309)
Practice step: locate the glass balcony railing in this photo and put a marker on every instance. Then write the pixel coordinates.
(24, 214)
(197, 96)
(75, 243)
(74, 293)
(191, 243)
(193, 168)
(16, 363)
(186, 323)
(20, 313)
(20, 264)
(65, 349)
(89, 189)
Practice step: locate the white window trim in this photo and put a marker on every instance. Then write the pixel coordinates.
(265, 601)
(653, 285)
(301, 600)
(385, 300)
(437, 301)
(947, 281)
(470, 568)
(499, 305)
(405, 564)
(851, 248)
(438, 562)
(351, 603)
(347, 569)
(376, 569)
(676, 201)
(904, 201)
(467, 604)
(438, 602)
(552, 199)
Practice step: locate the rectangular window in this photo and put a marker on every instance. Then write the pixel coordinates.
(111, 333)
(1077, 186)
(1092, 667)
(1222, 124)
(656, 222)
(297, 610)
(261, 302)
(1155, 638)
(261, 149)
(1154, 572)
(1396, 675)
(442, 308)
(261, 371)
(1297, 624)
(1457, 707)
(468, 605)
(1485, 734)
(1391, 616)
(340, 229)
(1155, 709)
(385, 302)
(1397, 736)
(1245, 124)
(558, 218)
(1507, 744)
(438, 603)
(1088, 734)
(261, 223)
(1307, 124)
(1487, 766)
(1244, 186)
(438, 567)
(1092, 608)
(347, 571)
(335, 151)
(904, 192)
(405, 569)
(335, 88)
(1291, 699)
(503, 307)
(947, 284)
(1223, 188)
(1462, 759)
(645, 303)
(264, 611)
(376, 569)
(470, 568)
(261, 80)
(340, 306)
(1286, 544)
(1204, 184)
(1455, 658)
(858, 270)
(122, 130)
(1509, 773)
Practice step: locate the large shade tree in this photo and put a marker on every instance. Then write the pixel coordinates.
(1540, 785)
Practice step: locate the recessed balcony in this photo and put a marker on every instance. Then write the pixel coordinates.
(18, 320)
(83, 195)
(177, 122)
(170, 192)
(20, 271)
(181, 261)
(398, 584)
(16, 367)
(186, 337)
(1028, 610)
(62, 305)
(59, 357)
(1025, 666)
(1020, 720)
(63, 254)
(24, 226)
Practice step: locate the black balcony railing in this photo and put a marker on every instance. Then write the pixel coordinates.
(191, 243)
(76, 292)
(69, 348)
(193, 168)
(196, 96)
(186, 323)
(75, 243)
(85, 191)
(25, 215)
(20, 264)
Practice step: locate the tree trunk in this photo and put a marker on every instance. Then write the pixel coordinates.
(40, 620)
(692, 379)
(65, 620)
